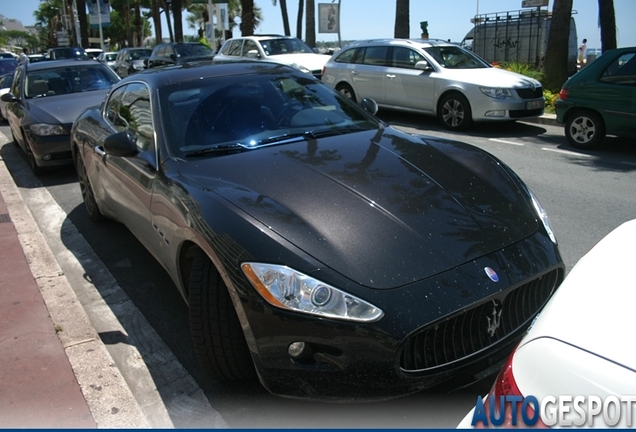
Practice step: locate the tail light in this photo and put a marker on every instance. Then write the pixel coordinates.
(505, 385)
(563, 94)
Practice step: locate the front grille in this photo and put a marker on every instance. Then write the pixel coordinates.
(525, 113)
(528, 93)
(473, 330)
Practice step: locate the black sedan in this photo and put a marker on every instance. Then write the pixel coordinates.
(44, 100)
(319, 249)
(178, 53)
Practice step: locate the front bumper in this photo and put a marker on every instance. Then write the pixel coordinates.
(347, 361)
(49, 151)
(489, 109)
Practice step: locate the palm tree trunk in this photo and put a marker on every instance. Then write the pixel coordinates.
(310, 18)
(156, 19)
(555, 65)
(166, 8)
(283, 11)
(299, 19)
(177, 13)
(247, 17)
(607, 20)
(402, 17)
(83, 22)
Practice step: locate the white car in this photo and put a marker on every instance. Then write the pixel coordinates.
(286, 50)
(433, 77)
(580, 346)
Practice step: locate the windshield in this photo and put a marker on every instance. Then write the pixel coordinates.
(451, 57)
(193, 50)
(285, 46)
(64, 80)
(248, 113)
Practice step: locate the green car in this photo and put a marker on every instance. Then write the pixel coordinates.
(600, 100)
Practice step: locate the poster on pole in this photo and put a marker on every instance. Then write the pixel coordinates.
(223, 20)
(104, 11)
(328, 17)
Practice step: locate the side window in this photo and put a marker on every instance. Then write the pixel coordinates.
(405, 58)
(621, 71)
(376, 56)
(113, 108)
(347, 56)
(235, 48)
(135, 108)
(248, 46)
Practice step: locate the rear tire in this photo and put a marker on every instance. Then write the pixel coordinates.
(214, 325)
(454, 112)
(87, 191)
(585, 129)
(346, 91)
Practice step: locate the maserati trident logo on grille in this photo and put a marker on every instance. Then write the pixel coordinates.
(495, 321)
(492, 275)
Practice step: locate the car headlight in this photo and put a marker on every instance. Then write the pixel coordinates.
(44, 129)
(289, 289)
(496, 92)
(300, 68)
(544, 217)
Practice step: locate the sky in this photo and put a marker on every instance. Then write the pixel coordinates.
(367, 19)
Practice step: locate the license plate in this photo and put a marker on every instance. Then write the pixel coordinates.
(534, 105)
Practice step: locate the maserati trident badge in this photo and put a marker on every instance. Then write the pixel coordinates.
(492, 275)
(495, 321)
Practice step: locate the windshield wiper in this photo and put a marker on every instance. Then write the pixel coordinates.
(225, 148)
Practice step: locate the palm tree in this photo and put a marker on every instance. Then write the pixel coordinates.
(48, 16)
(607, 21)
(555, 65)
(248, 21)
(283, 11)
(310, 18)
(299, 19)
(402, 17)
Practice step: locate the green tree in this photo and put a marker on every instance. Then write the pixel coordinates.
(402, 18)
(555, 66)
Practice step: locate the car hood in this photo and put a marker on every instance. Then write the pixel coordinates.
(593, 307)
(310, 61)
(427, 205)
(492, 77)
(63, 109)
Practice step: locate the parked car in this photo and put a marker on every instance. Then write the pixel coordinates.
(433, 77)
(7, 55)
(7, 65)
(338, 257)
(93, 52)
(286, 50)
(579, 345)
(179, 53)
(108, 58)
(34, 58)
(131, 60)
(599, 100)
(65, 53)
(44, 100)
(5, 84)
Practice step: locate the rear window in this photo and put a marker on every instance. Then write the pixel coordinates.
(621, 71)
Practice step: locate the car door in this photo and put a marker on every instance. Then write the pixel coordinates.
(405, 86)
(14, 110)
(368, 73)
(615, 93)
(128, 181)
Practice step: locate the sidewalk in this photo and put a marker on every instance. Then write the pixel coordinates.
(55, 371)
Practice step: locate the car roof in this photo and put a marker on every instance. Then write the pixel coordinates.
(51, 64)
(420, 43)
(159, 77)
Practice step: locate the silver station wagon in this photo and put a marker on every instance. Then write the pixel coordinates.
(433, 77)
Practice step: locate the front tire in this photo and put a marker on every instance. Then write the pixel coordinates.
(585, 129)
(454, 112)
(37, 170)
(214, 325)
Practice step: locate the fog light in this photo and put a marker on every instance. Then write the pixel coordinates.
(46, 157)
(296, 349)
(498, 113)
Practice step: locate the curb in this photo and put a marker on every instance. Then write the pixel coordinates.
(107, 394)
(546, 119)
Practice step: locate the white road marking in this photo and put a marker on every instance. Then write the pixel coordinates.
(505, 142)
(571, 153)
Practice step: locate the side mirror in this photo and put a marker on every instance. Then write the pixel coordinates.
(120, 144)
(8, 97)
(423, 65)
(252, 54)
(369, 105)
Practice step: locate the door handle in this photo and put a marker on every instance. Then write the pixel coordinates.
(354, 72)
(390, 76)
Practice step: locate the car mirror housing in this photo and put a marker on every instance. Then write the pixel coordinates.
(120, 144)
(369, 105)
(424, 65)
(8, 97)
(252, 54)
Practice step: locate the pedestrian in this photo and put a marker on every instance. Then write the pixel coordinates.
(203, 39)
(24, 57)
(582, 51)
